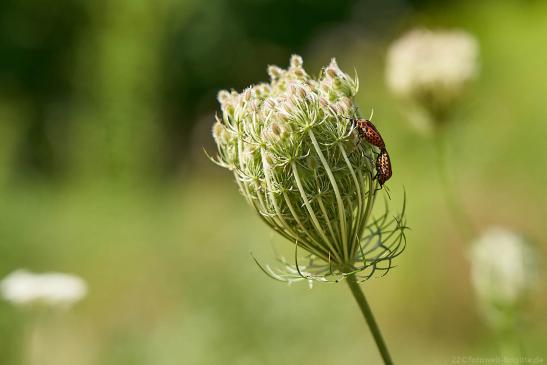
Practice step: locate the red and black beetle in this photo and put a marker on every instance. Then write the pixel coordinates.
(368, 132)
(383, 167)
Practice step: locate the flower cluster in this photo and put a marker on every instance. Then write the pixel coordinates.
(504, 269)
(54, 289)
(432, 68)
(300, 164)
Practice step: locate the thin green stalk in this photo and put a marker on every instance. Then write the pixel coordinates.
(455, 207)
(341, 208)
(311, 212)
(369, 317)
(355, 230)
(508, 338)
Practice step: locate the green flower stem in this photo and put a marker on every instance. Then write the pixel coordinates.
(457, 211)
(508, 339)
(369, 317)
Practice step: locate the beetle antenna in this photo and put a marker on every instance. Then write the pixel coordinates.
(371, 114)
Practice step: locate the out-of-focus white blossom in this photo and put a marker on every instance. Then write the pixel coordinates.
(503, 267)
(432, 68)
(22, 287)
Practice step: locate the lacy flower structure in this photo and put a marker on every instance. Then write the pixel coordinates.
(300, 163)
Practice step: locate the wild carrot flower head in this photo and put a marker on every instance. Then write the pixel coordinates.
(299, 163)
(53, 289)
(432, 69)
(504, 269)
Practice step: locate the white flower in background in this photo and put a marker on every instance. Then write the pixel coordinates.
(432, 68)
(503, 267)
(22, 287)
(426, 60)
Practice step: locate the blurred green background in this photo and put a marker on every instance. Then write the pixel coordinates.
(105, 107)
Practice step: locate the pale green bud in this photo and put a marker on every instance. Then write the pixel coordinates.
(296, 61)
(218, 133)
(247, 94)
(223, 97)
(345, 106)
(333, 70)
(276, 129)
(275, 72)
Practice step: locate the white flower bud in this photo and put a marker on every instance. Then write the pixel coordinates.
(298, 91)
(296, 61)
(221, 135)
(324, 103)
(276, 129)
(268, 163)
(333, 71)
(261, 90)
(299, 73)
(346, 105)
(247, 94)
(275, 72)
(229, 109)
(326, 87)
(223, 97)
(247, 153)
